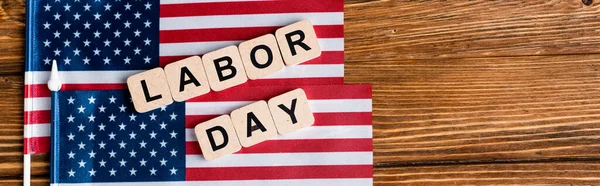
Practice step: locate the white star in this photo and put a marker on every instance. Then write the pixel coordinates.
(56, 16)
(56, 34)
(163, 125)
(127, 6)
(92, 172)
(117, 16)
(81, 145)
(77, 16)
(47, 25)
(127, 61)
(107, 7)
(81, 127)
(147, 24)
(92, 136)
(67, 43)
(137, 33)
(147, 60)
(87, 7)
(153, 171)
(57, 52)
(111, 135)
(147, 5)
(92, 154)
(132, 171)
(127, 42)
(142, 126)
(47, 61)
(97, 34)
(76, 51)
(112, 117)
(143, 144)
(112, 154)
(67, 7)
(102, 108)
(86, 43)
(153, 153)
(132, 117)
(102, 145)
(102, 163)
(117, 51)
(163, 144)
(173, 134)
(67, 61)
(112, 172)
(127, 24)
(163, 162)
(97, 16)
(122, 162)
(173, 116)
(71, 119)
(122, 126)
(122, 108)
(122, 145)
(173, 152)
(132, 135)
(132, 153)
(143, 162)
(106, 61)
(153, 135)
(87, 25)
(112, 99)
(71, 137)
(117, 33)
(47, 7)
(137, 15)
(106, 25)
(101, 127)
(96, 52)
(81, 163)
(173, 171)
(92, 100)
(92, 118)
(81, 109)
(71, 173)
(71, 100)
(163, 108)
(137, 51)
(71, 155)
(86, 60)
(147, 41)
(67, 25)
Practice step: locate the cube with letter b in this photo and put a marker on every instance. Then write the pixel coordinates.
(224, 68)
(291, 111)
(217, 137)
(154, 87)
(298, 42)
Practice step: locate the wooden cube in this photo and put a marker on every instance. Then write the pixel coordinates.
(261, 56)
(217, 138)
(187, 78)
(253, 123)
(291, 111)
(298, 42)
(149, 90)
(224, 68)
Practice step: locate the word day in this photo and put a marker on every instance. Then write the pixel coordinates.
(254, 123)
(224, 68)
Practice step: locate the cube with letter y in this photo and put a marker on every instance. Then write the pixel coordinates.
(291, 111)
(217, 137)
(154, 87)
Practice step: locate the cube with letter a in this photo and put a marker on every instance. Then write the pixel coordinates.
(291, 111)
(217, 138)
(187, 78)
(253, 123)
(149, 90)
(298, 42)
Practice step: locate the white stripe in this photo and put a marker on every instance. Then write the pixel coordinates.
(82, 77)
(308, 71)
(163, 2)
(314, 132)
(36, 130)
(249, 20)
(282, 159)
(318, 106)
(199, 48)
(26, 169)
(287, 182)
(35, 104)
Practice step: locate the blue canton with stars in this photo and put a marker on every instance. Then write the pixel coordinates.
(94, 34)
(100, 138)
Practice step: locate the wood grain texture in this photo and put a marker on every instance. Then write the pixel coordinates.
(464, 92)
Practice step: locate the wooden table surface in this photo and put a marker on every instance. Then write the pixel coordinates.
(465, 92)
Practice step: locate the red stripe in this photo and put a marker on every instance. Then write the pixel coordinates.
(291, 146)
(280, 172)
(41, 90)
(37, 117)
(238, 34)
(252, 7)
(327, 57)
(321, 119)
(247, 93)
(36, 145)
